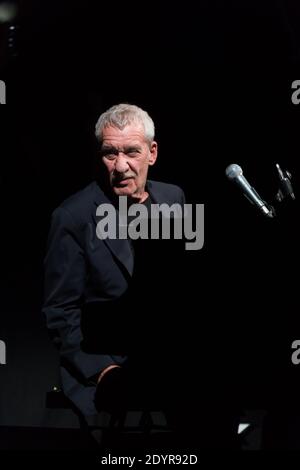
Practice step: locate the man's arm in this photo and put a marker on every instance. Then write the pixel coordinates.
(65, 278)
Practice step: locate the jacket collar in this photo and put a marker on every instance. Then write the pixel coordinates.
(121, 249)
(152, 188)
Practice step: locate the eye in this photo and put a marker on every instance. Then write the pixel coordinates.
(132, 152)
(109, 153)
(109, 156)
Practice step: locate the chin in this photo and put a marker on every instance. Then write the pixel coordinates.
(127, 190)
(123, 191)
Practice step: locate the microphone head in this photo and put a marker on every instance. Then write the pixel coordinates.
(233, 171)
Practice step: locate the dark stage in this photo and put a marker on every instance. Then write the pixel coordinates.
(216, 77)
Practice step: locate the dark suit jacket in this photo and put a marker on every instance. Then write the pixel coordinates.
(82, 271)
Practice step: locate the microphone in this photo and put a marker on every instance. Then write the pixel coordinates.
(286, 188)
(235, 174)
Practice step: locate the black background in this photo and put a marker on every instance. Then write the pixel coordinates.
(216, 78)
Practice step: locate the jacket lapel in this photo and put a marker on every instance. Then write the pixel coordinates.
(121, 249)
(159, 194)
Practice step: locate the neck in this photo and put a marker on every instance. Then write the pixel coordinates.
(138, 198)
(134, 199)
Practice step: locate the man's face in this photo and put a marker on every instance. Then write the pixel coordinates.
(127, 155)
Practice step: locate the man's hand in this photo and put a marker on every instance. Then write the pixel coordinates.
(107, 369)
(112, 389)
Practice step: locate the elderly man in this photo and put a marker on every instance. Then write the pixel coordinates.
(121, 309)
(106, 297)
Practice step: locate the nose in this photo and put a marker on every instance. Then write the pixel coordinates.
(121, 164)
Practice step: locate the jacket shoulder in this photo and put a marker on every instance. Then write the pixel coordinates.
(169, 192)
(79, 205)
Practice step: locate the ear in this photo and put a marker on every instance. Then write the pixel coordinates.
(153, 153)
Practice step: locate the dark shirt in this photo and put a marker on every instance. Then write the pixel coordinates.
(145, 321)
(154, 296)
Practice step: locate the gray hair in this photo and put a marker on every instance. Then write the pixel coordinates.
(122, 115)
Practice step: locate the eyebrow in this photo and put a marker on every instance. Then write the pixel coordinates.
(127, 149)
(132, 148)
(108, 149)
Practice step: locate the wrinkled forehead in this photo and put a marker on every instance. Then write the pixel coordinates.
(131, 134)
